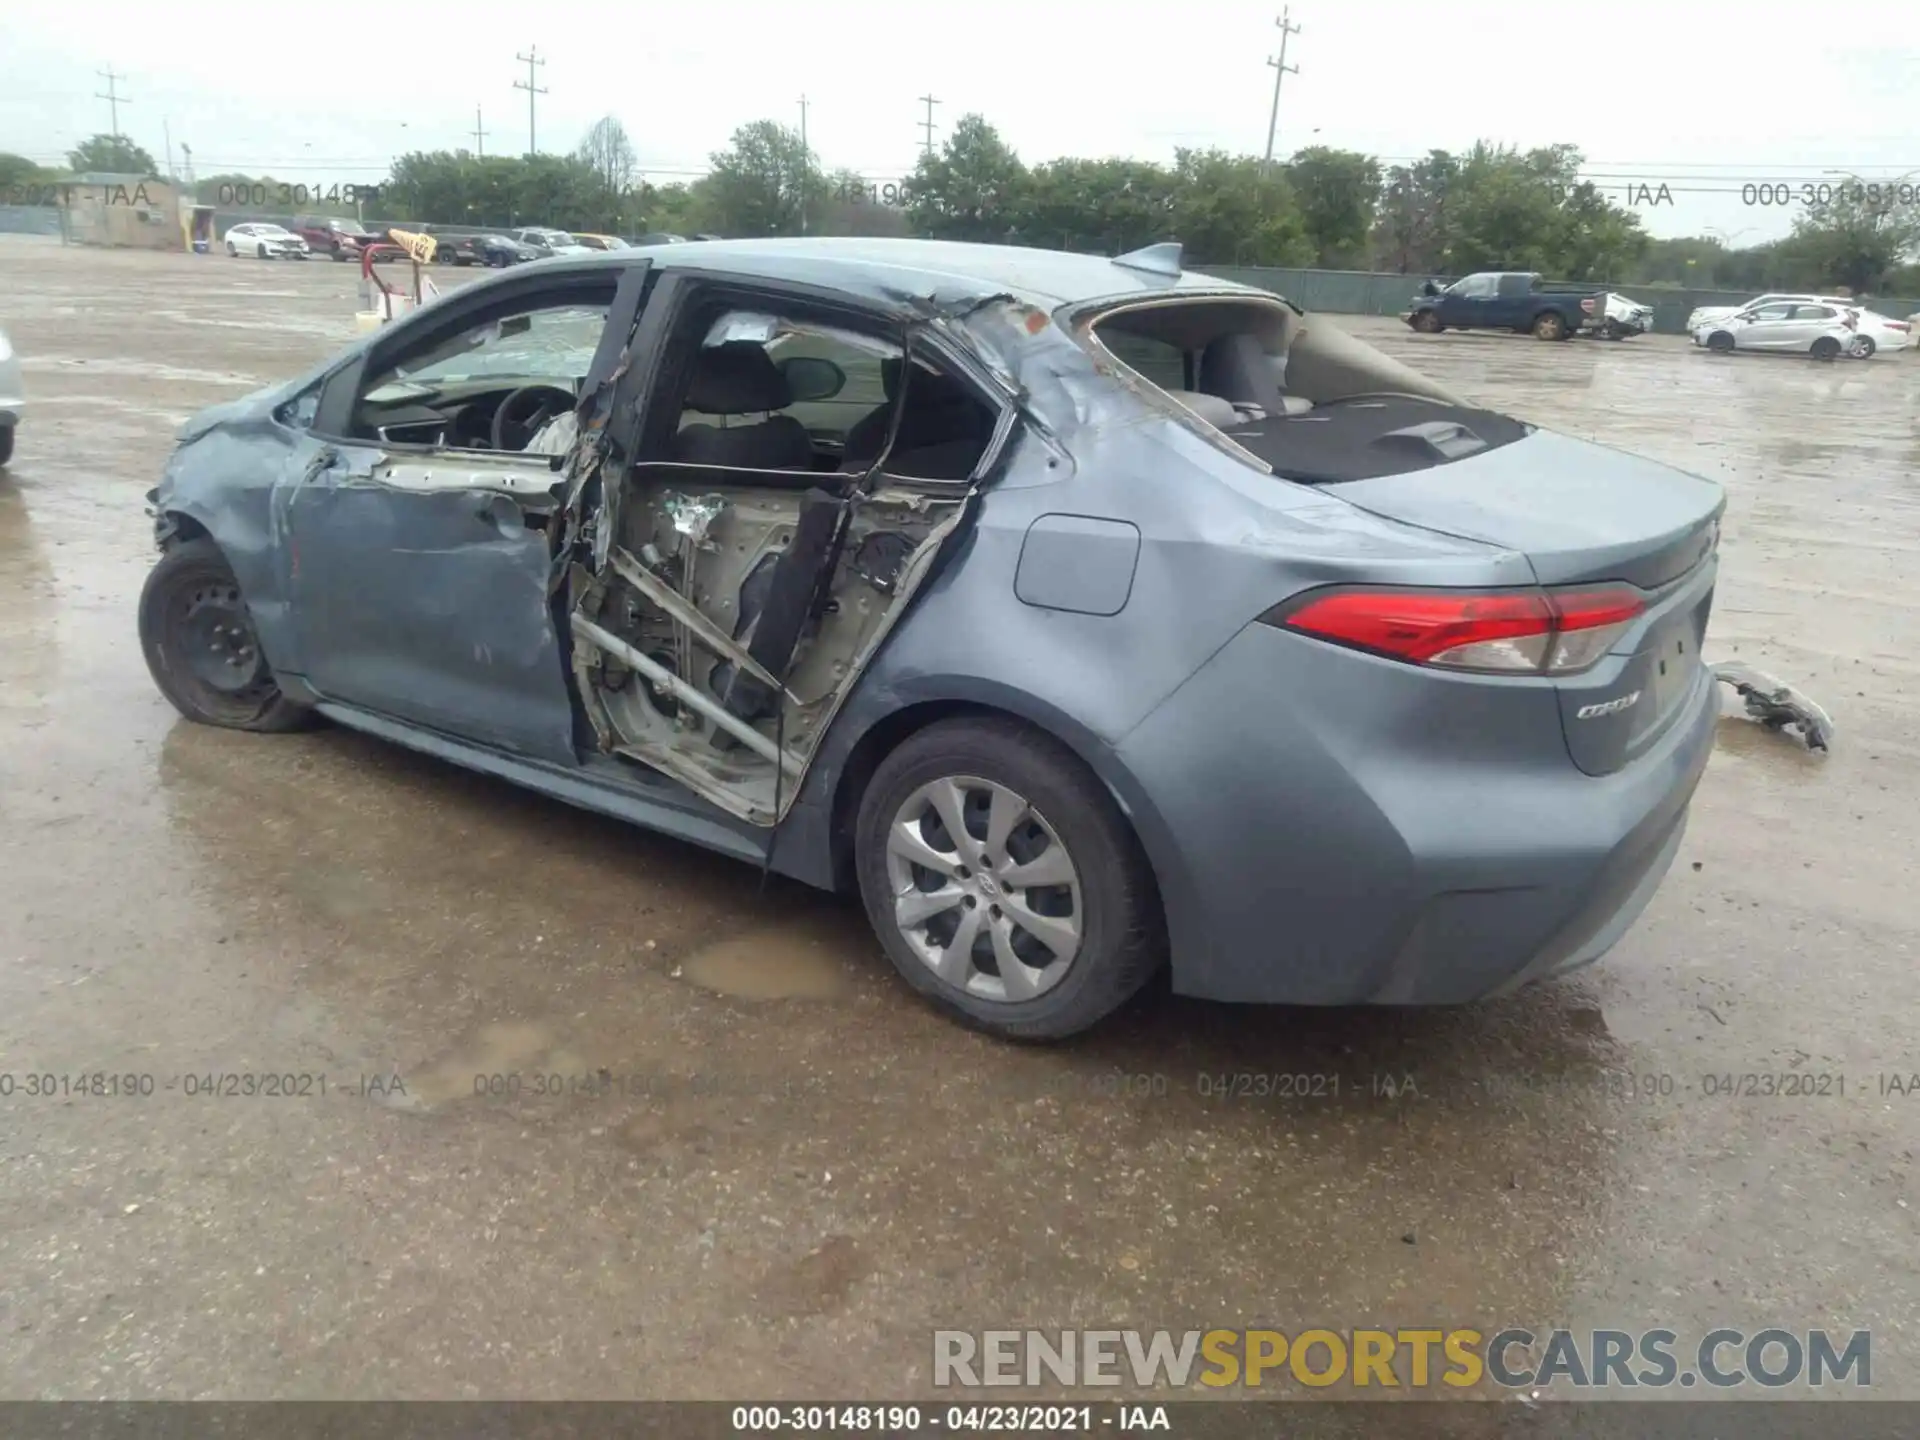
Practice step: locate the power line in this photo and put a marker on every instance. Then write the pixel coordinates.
(113, 98)
(530, 61)
(927, 124)
(1280, 72)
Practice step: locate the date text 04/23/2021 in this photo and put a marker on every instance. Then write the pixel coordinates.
(972, 1419)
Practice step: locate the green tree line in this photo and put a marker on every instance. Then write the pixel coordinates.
(1448, 214)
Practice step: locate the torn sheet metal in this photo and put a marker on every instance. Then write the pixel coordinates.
(1777, 705)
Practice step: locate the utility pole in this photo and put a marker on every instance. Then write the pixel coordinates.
(186, 165)
(479, 135)
(166, 133)
(806, 165)
(1280, 71)
(530, 61)
(927, 124)
(113, 97)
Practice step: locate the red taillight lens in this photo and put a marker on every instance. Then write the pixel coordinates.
(1497, 632)
(1587, 305)
(1899, 325)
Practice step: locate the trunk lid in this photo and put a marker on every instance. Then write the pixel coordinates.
(1587, 514)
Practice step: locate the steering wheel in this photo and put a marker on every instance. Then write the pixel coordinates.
(541, 401)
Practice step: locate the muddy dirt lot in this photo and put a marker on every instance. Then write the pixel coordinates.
(799, 1173)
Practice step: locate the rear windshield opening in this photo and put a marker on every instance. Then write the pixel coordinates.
(1309, 400)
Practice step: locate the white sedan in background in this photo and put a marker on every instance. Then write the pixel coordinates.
(1877, 331)
(1820, 328)
(268, 242)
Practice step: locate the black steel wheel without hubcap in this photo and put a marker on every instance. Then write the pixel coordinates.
(1003, 881)
(1720, 342)
(201, 648)
(1825, 348)
(1549, 326)
(1427, 323)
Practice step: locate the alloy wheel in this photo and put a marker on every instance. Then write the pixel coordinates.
(984, 890)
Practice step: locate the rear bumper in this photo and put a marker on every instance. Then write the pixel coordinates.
(1331, 829)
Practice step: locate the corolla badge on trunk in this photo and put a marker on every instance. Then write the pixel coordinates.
(1607, 707)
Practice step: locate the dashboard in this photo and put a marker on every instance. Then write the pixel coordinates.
(457, 416)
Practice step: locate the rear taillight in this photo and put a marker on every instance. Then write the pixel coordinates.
(1587, 305)
(1510, 632)
(1899, 325)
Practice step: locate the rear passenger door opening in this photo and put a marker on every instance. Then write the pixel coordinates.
(794, 466)
(1287, 392)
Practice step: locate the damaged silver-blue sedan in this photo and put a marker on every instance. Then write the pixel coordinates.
(1084, 615)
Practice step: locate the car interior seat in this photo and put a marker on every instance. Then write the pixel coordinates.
(740, 378)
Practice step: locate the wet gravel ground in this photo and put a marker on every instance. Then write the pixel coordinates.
(790, 1173)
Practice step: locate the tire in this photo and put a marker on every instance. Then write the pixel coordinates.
(232, 253)
(1825, 348)
(1864, 347)
(190, 605)
(262, 252)
(6, 443)
(1720, 342)
(1549, 325)
(1427, 322)
(1058, 810)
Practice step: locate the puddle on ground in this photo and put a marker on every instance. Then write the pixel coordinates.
(805, 959)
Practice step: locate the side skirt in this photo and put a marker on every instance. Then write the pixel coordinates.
(652, 808)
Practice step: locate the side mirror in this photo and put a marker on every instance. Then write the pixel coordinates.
(1430, 288)
(809, 377)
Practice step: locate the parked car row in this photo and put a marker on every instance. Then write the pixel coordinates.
(343, 239)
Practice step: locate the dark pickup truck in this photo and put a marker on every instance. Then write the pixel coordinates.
(1520, 300)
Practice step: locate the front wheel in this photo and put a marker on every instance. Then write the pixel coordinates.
(1549, 325)
(232, 251)
(1825, 348)
(262, 252)
(198, 637)
(1004, 882)
(1427, 322)
(1720, 342)
(6, 443)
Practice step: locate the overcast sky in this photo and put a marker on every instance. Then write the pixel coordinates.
(1700, 95)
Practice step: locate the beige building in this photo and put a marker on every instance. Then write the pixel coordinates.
(124, 212)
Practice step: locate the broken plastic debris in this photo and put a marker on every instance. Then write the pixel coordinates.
(1777, 705)
(692, 514)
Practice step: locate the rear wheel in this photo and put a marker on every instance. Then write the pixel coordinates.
(198, 637)
(1825, 348)
(1720, 342)
(1549, 325)
(1003, 881)
(1427, 322)
(1864, 347)
(6, 443)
